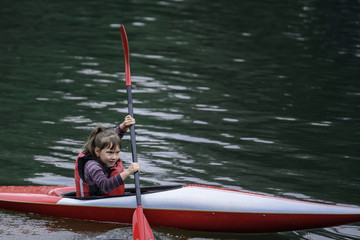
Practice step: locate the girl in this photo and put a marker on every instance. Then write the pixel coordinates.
(98, 168)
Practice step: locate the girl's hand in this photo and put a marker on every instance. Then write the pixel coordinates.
(133, 168)
(129, 121)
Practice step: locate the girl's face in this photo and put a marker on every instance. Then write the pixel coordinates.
(108, 156)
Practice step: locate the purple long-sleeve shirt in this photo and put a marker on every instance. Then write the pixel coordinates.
(94, 173)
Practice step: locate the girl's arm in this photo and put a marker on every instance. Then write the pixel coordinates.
(124, 126)
(94, 174)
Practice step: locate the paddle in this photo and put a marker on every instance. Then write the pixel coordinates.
(141, 227)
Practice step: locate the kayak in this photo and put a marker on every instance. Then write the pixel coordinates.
(190, 207)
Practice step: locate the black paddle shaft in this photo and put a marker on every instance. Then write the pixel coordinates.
(133, 145)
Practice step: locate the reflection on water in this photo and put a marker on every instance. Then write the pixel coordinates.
(37, 227)
(50, 179)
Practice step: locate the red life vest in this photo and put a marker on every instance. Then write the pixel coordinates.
(85, 190)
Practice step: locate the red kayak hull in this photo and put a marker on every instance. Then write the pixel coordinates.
(46, 200)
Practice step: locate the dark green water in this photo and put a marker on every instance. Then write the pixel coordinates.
(262, 96)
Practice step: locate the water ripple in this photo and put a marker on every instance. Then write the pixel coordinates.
(321, 124)
(212, 108)
(96, 73)
(152, 112)
(93, 104)
(182, 137)
(51, 179)
(76, 119)
(55, 161)
(147, 56)
(257, 140)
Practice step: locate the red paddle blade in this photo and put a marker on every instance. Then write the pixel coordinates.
(126, 55)
(141, 227)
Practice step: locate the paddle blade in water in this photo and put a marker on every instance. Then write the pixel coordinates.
(141, 227)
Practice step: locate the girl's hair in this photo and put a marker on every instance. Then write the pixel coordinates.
(102, 139)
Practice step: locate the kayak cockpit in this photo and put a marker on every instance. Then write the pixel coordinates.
(129, 191)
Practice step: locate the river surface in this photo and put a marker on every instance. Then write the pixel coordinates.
(252, 95)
